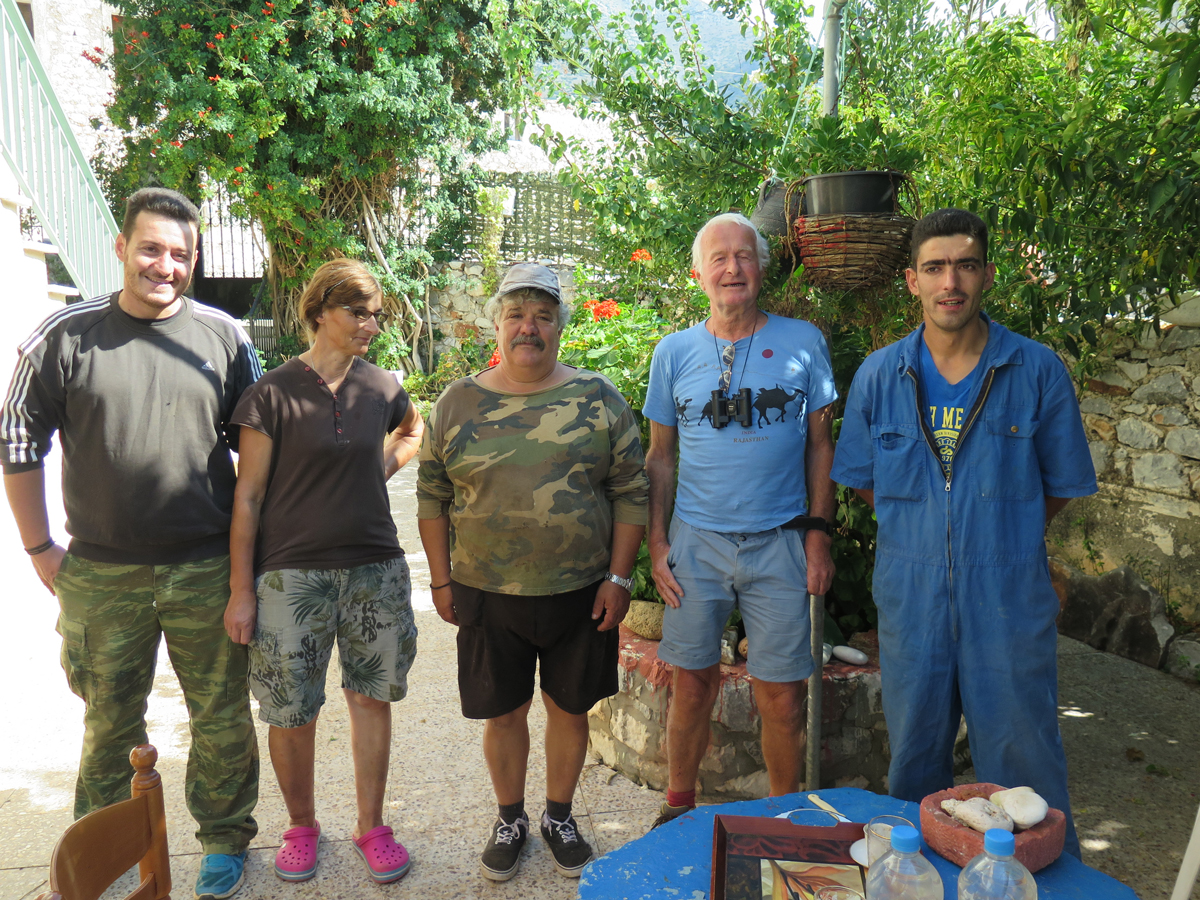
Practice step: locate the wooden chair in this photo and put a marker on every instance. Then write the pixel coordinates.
(103, 845)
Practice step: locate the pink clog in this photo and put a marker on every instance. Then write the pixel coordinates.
(296, 859)
(386, 858)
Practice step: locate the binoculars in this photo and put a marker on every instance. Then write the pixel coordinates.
(731, 409)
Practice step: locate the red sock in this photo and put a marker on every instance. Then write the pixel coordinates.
(681, 798)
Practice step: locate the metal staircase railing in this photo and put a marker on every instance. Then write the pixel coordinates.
(38, 144)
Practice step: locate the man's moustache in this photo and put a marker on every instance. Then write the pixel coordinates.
(527, 339)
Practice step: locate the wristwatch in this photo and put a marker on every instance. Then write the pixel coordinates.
(626, 583)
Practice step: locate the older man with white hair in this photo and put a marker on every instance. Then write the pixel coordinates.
(743, 398)
(537, 467)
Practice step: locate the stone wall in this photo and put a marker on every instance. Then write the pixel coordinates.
(457, 310)
(1141, 412)
(63, 31)
(628, 730)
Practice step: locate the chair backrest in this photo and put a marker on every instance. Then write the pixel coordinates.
(103, 845)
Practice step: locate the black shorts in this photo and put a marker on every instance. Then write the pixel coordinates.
(501, 638)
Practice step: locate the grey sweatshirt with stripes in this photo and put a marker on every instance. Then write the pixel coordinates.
(142, 411)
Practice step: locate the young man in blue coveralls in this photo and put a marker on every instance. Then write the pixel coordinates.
(966, 439)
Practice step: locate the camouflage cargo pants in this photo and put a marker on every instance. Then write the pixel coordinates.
(111, 621)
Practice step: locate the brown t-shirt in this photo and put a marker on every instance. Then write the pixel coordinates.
(326, 505)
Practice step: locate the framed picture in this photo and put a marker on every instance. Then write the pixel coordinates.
(774, 859)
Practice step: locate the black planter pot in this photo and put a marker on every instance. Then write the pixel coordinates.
(851, 192)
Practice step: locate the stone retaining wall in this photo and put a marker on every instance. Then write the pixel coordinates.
(1142, 416)
(628, 731)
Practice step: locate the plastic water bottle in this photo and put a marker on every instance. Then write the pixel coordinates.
(995, 874)
(903, 873)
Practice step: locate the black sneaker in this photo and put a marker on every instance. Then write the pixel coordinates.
(571, 852)
(670, 813)
(502, 856)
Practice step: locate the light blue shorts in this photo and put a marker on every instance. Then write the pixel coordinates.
(765, 573)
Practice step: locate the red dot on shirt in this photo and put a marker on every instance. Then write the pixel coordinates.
(319, 381)
(768, 353)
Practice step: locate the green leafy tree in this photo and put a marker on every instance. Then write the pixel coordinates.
(344, 128)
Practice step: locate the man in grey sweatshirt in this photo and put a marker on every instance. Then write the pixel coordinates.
(140, 386)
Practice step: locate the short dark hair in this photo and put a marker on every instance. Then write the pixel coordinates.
(946, 223)
(161, 202)
(339, 282)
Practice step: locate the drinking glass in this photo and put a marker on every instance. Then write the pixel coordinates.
(879, 835)
(837, 892)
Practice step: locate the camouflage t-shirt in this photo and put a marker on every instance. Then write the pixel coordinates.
(532, 483)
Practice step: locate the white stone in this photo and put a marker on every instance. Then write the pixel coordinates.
(632, 733)
(1135, 409)
(826, 654)
(850, 655)
(483, 322)
(1185, 314)
(1133, 371)
(718, 758)
(978, 813)
(474, 271)
(1185, 442)
(1137, 434)
(1097, 405)
(735, 707)
(755, 784)
(1116, 379)
(1163, 471)
(1165, 390)
(1173, 359)
(1025, 805)
(1183, 658)
(1180, 338)
(476, 289)
(1168, 415)
(1100, 455)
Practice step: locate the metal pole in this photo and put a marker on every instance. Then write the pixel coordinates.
(829, 76)
(816, 622)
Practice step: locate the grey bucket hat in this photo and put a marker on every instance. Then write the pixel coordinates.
(530, 275)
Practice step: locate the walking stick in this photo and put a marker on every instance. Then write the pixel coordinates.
(816, 621)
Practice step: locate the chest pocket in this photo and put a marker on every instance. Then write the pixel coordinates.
(900, 457)
(1008, 464)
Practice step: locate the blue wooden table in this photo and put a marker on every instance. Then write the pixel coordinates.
(674, 862)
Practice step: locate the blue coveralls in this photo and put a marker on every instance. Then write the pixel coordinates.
(966, 608)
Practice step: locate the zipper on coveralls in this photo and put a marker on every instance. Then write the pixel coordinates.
(932, 442)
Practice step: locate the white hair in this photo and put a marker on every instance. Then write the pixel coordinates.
(496, 306)
(764, 251)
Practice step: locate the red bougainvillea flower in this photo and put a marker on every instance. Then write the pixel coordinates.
(695, 274)
(214, 78)
(238, 169)
(219, 36)
(176, 143)
(641, 256)
(495, 360)
(186, 25)
(210, 45)
(145, 34)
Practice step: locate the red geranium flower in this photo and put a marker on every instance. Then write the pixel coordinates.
(641, 256)
(495, 360)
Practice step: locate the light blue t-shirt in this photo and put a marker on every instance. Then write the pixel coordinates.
(737, 479)
(946, 405)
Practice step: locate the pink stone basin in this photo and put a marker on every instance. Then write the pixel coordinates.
(1036, 848)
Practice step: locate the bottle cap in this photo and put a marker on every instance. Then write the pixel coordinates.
(905, 839)
(999, 842)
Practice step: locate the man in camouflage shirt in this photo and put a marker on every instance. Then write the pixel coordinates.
(532, 499)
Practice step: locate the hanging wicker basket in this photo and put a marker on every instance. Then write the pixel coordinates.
(858, 252)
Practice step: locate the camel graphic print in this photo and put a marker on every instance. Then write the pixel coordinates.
(769, 404)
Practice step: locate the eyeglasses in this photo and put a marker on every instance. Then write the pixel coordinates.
(726, 361)
(361, 313)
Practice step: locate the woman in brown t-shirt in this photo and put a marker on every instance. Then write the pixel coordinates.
(314, 558)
